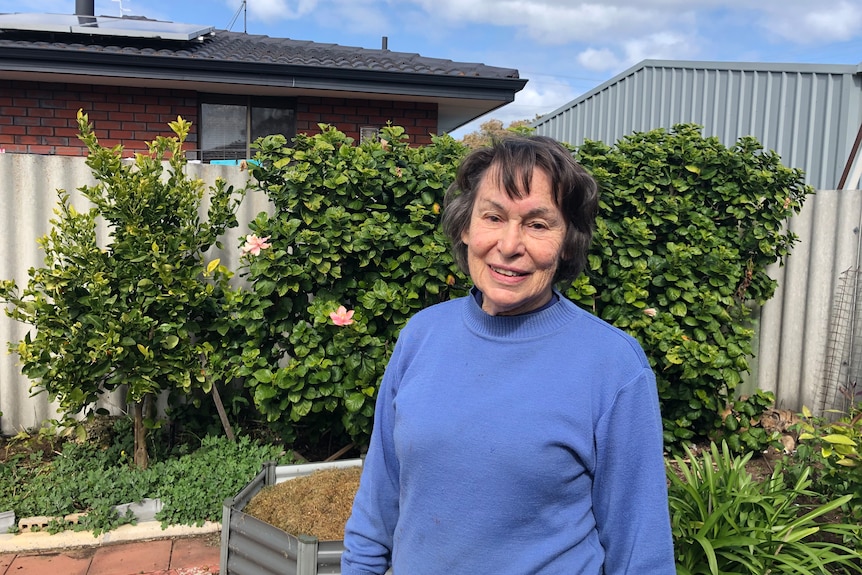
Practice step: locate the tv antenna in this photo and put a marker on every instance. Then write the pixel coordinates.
(122, 10)
(243, 7)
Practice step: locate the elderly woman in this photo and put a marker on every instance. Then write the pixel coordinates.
(514, 432)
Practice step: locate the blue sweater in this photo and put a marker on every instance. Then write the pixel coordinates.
(521, 445)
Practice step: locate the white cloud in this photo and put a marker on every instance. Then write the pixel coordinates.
(809, 23)
(600, 59)
(658, 46)
(268, 10)
(540, 96)
(367, 16)
(555, 22)
(661, 45)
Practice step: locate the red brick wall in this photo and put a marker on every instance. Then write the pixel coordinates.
(39, 117)
(419, 119)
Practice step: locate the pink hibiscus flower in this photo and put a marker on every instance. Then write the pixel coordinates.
(342, 316)
(254, 244)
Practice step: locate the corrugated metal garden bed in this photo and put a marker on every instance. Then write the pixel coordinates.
(250, 546)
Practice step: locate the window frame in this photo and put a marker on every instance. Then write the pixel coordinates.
(249, 103)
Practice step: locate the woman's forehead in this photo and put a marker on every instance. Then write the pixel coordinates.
(517, 182)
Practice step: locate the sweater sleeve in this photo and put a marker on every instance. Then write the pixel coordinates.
(369, 532)
(630, 486)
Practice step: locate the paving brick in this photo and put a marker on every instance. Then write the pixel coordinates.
(194, 552)
(5, 561)
(67, 564)
(132, 558)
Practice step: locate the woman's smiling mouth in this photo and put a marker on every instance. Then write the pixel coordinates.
(507, 273)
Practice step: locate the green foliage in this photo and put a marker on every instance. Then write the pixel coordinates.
(140, 311)
(725, 522)
(353, 226)
(686, 230)
(831, 451)
(85, 479)
(739, 425)
(193, 487)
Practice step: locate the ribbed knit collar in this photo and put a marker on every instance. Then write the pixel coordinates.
(525, 326)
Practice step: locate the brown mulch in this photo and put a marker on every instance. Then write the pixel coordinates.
(317, 504)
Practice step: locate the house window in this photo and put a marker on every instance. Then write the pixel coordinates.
(228, 125)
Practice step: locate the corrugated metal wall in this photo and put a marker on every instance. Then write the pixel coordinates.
(809, 114)
(802, 351)
(28, 185)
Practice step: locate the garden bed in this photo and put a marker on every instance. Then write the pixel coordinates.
(251, 546)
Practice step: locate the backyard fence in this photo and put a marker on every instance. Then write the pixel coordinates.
(809, 338)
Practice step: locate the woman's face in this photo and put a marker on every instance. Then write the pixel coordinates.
(514, 246)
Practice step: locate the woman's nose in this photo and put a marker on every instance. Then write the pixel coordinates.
(510, 242)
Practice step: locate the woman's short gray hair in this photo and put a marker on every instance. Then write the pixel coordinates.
(514, 158)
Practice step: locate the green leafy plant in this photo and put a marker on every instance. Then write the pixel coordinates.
(740, 423)
(723, 521)
(83, 478)
(686, 230)
(830, 451)
(351, 251)
(140, 311)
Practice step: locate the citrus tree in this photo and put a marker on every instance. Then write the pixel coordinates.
(140, 311)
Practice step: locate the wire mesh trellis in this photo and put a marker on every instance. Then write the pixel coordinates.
(842, 380)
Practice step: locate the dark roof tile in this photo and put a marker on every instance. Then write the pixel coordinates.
(226, 46)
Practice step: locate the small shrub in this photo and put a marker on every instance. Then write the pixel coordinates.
(138, 310)
(830, 450)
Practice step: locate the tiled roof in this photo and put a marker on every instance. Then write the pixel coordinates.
(238, 47)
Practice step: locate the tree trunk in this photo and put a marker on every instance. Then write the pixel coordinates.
(228, 430)
(142, 460)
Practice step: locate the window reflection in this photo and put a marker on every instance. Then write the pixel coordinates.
(229, 127)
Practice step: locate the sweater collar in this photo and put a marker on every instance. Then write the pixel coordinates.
(560, 312)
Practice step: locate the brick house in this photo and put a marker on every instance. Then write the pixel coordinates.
(133, 75)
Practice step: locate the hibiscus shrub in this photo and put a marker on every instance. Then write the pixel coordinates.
(351, 250)
(686, 231)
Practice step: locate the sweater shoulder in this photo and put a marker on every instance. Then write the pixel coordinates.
(606, 335)
(439, 315)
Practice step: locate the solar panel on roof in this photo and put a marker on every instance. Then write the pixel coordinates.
(103, 26)
(137, 28)
(42, 22)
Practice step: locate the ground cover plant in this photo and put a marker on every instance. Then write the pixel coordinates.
(45, 475)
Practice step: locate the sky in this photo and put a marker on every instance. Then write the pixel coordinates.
(564, 48)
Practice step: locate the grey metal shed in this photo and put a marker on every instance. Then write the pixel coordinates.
(809, 114)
